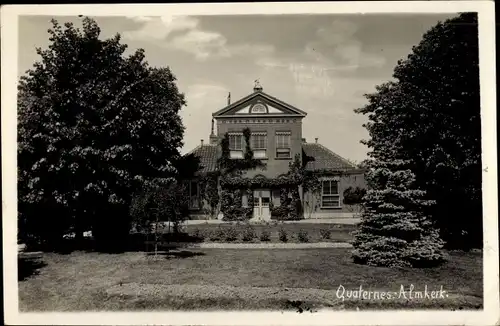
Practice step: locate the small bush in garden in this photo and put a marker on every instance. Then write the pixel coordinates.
(283, 236)
(303, 236)
(230, 234)
(280, 213)
(265, 236)
(217, 234)
(197, 234)
(325, 233)
(248, 234)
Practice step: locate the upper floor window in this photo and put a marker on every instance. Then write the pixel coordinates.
(259, 144)
(236, 145)
(330, 196)
(258, 108)
(283, 149)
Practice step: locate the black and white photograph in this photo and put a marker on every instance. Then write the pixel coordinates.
(302, 161)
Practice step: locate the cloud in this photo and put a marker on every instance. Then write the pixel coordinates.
(333, 49)
(140, 19)
(203, 97)
(191, 38)
(159, 28)
(338, 42)
(201, 44)
(197, 91)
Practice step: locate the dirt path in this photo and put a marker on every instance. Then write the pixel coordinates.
(214, 292)
(324, 298)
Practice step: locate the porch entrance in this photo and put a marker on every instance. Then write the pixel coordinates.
(261, 200)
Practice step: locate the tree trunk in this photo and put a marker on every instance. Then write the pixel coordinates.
(78, 231)
(219, 202)
(156, 236)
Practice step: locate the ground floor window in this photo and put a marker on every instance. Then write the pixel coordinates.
(330, 196)
(194, 195)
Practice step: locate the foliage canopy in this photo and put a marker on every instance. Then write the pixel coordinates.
(95, 125)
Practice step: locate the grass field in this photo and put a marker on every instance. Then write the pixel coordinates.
(236, 279)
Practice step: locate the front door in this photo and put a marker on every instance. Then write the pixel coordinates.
(261, 200)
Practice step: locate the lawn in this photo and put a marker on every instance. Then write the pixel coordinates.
(337, 232)
(237, 279)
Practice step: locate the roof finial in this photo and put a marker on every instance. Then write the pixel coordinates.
(257, 86)
(229, 98)
(212, 127)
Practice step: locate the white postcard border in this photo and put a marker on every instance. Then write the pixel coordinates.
(490, 314)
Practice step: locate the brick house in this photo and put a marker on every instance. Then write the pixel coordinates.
(276, 139)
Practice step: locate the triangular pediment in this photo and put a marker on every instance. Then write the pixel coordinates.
(259, 103)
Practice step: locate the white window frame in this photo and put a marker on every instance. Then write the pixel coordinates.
(281, 147)
(258, 147)
(235, 152)
(330, 195)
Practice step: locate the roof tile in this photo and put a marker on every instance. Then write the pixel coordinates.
(208, 155)
(324, 159)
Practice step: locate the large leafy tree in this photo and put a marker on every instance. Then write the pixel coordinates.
(430, 115)
(94, 126)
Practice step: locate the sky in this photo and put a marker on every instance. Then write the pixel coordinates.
(322, 64)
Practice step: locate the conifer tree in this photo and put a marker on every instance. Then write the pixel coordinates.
(395, 230)
(431, 111)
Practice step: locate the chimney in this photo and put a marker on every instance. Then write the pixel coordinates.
(213, 138)
(229, 99)
(304, 140)
(316, 139)
(201, 142)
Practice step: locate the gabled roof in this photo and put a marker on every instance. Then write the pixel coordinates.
(208, 155)
(256, 95)
(325, 159)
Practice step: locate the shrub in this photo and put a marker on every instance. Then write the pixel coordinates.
(283, 236)
(265, 236)
(238, 213)
(248, 234)
(354, 196)
(217, 234)
(325, 233)
(230, 234)
(197, 233)
(303, 236)
(280, 213)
